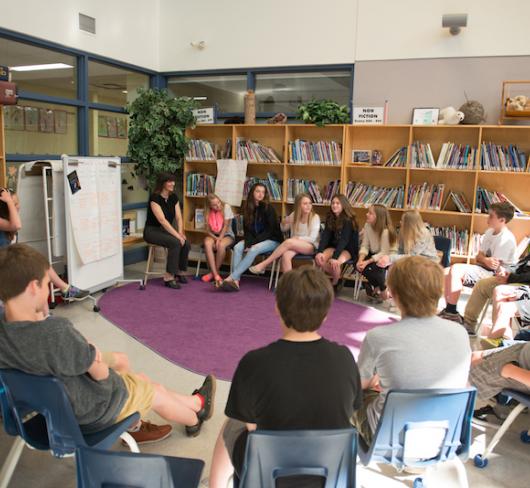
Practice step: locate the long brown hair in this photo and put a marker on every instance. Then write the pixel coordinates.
(4, 214)
(297, 213)
(412, 228)
(382, 222)
(250, 206)
(336, 222)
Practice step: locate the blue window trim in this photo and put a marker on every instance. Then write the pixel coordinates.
(251, 80)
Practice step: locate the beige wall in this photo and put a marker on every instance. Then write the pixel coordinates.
(436, 83)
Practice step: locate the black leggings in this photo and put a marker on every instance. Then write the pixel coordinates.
(177, 254)
(376, 276)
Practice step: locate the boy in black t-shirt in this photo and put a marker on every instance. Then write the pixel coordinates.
(101, 394)
(301, 381)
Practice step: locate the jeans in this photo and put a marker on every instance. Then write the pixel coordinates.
(240, 264)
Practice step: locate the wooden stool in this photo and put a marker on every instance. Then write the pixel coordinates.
(150, 259)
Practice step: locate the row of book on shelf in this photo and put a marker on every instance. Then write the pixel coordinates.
(200, 150)
(364, 195)
(452, 156)
(320, 152)
(494, 157)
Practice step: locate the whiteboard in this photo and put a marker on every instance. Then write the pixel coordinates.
(93, 221)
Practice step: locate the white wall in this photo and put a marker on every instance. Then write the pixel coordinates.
(126, 30)
(252, 33)
(407, 29)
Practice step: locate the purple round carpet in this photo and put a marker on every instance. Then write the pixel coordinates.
(208, 331)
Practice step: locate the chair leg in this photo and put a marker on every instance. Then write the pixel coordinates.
(278, 269)
(11, 461)
(150, 257)
(273, 269)
(128, 439)
(502, 429)
(357, 286)
(198, 266)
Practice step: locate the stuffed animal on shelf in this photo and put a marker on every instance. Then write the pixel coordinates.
(473, 112)
(518, 103)
(450, 116)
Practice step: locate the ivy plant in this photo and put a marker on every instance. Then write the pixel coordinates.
(322, 112)
(157, 132)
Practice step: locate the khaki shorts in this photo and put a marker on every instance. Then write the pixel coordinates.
(360, 416)
(140, 396)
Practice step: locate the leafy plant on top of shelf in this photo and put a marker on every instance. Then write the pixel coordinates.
(322, 112)
(157, 132)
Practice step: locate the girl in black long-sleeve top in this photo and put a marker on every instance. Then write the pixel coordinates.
(339, 241)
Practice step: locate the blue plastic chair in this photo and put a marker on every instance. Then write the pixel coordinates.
(101, 469)
(54, 427)
(481, 460)
(443, 244)
(420, 428)
(275, 454)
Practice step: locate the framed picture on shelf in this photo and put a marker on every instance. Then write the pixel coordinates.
(60, 121)
(103, 130)
(200, 222)
(31, 119)
(112, 127)
(425, 116)
(377, 158)
(46, 120)
(361, 156)
(14, 118)
(122, 127)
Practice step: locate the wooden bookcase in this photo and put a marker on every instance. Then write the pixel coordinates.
(3, 166)
(387, 139)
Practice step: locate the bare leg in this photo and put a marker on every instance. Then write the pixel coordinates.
(120, 362)
(57, 282)
(221, 252)
(210, 256)
(503, 311)
(287, 260)
(221, 469)
(454, 282)
(335, 271)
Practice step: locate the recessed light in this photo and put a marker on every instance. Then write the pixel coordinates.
(41, 67)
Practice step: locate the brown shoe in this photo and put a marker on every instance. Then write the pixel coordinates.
(149, 433)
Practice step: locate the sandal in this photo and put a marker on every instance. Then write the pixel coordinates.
(229, 286)
(207, 278)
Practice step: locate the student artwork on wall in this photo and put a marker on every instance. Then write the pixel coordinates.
(60, 121)
(46, 120)
(112, 127)
(122, 127)
(31, 119)
(103, 130)
(14, 118)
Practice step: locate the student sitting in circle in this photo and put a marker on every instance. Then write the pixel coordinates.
(10, 224)
(262, 234)
(219, 218)
(415, 239)
(339, 241)
(162, 212)
(304, 226)
(379, 239)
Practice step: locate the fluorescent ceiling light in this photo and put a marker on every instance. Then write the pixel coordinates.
(41, 67)
(200, 98)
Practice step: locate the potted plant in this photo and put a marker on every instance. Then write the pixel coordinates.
(322, 112)
(157, 132)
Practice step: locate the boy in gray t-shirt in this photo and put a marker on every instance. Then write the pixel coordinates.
(421, 351)
(99, 394)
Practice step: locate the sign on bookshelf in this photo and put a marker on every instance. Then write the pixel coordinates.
(205, 115)
(368, 115)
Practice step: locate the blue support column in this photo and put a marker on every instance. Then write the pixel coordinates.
(82, 111)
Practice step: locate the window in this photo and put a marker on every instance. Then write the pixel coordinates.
(226, 92)
(40, 128)
(108, 133)
(113, 85)
(38, 70)
(284, 92)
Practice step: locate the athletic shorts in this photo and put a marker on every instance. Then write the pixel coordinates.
(474, 273)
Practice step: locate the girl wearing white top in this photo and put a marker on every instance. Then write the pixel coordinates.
(304, 226)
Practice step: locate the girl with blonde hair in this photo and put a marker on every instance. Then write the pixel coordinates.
(304, 226)
(219, 216)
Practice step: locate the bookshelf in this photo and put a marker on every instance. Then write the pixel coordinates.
(387, 139)
(3, 168)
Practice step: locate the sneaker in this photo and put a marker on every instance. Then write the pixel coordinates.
(454, 317)
(487, 343)
(207, 390)
(149, 433)
(74, 293)
(256, 271)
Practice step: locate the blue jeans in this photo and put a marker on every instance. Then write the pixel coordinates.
(240, 264)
